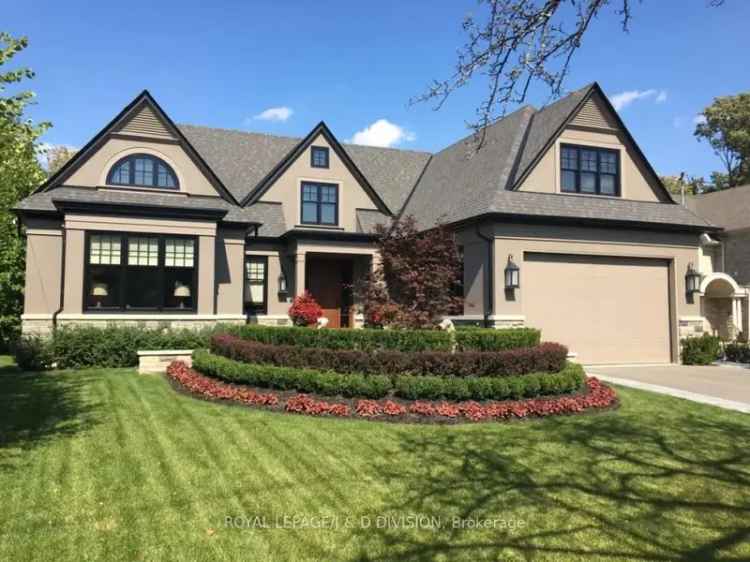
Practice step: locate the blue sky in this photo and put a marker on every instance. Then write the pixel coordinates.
(354, 64)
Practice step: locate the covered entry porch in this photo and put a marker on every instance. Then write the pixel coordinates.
(725, 306)
(329, 272)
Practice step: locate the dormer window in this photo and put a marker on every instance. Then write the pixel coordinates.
(143, 170)
(589, 170)
(319, 157)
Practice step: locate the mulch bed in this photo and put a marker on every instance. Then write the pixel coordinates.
(595, 396)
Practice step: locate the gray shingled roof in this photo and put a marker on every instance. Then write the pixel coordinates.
(367, 219)
(460, 181)
(242, 160)
(45, 201)
(729, 208)
(455, 184)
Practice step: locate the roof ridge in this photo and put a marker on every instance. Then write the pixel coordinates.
(297, 139)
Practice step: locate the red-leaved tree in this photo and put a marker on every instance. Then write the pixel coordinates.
(415, 283)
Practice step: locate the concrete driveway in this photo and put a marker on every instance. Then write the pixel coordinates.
(724, 386)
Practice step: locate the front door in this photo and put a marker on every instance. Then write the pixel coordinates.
(327, 279)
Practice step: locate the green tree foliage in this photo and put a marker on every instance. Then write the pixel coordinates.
(692, 185)
(726, 127)
(20, 173)
(58, 156)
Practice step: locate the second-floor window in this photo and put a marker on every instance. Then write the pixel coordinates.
(320, 203)
(319, 157)
(589, 170)
(143, 170)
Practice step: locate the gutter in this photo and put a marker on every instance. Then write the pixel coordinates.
(62, 279)
(490, 276)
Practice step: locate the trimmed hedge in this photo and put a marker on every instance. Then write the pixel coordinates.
(481, 339)
(475, 339)
(360, 340)
(738, 352)
(700, 351)
(547, 357)
(569, 379)
(292, 378)
(117, 346)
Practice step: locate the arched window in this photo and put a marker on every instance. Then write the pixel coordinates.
(143, 170)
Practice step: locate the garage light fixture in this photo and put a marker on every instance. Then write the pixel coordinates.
(692, 280)
(512, 274)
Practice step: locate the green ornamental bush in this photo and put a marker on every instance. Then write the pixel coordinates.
(117, 346)
(700, 351)
(328, 383)
(33, 353)
(477, 339)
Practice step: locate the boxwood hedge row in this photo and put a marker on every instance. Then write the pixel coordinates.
(569, 379)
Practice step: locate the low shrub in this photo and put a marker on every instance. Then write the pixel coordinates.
(377, 386)
(738, 352)
(570, 379)
(596, 395)
(286, 378)
(361, 340)
(482, 339)
(33, 353)
(547, 357)
(700, 351)
(117, 346)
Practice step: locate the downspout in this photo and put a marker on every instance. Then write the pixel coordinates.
(62, 280)
(490, 277)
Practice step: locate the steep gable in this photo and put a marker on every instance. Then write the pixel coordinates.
(584, 118)
(141, 127)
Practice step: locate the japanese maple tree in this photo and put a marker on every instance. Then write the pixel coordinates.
(416, 281)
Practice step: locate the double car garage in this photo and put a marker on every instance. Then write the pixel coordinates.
(605, 309)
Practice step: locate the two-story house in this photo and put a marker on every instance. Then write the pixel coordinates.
(562, 221)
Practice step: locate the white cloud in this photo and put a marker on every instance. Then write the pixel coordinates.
(383, 133)
(275, 114)
(699, 119)
(624, 99)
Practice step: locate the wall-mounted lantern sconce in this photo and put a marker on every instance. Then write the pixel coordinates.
(282, 285)
(512, 274)
(692, 280)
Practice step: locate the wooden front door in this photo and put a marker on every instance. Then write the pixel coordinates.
(327, 280)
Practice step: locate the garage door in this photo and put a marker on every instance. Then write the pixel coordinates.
(605, 309)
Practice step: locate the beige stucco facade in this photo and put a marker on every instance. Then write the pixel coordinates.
(511, 308)
(286, 189)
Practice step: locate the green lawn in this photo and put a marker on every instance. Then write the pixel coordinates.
(111, 465)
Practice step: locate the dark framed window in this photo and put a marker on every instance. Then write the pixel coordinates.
(256, 284)
(319, 157)
(143, 170)
(589, 170)
(320, 203)
(140, 272)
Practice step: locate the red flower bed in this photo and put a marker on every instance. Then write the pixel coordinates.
(597, 395)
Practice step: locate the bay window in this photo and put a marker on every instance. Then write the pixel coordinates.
(140, 272)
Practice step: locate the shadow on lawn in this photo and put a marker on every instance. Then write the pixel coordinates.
(605, 487)
(35, 407)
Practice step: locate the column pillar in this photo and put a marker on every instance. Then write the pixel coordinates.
(299, 273)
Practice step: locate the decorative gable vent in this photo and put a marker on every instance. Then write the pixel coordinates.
(592, 115)
(145, 122)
